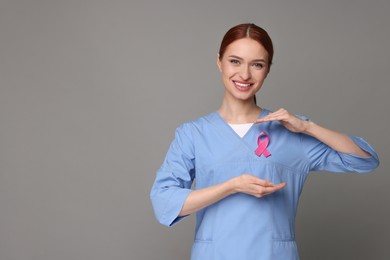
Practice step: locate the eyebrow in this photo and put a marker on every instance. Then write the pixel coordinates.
(239, 58)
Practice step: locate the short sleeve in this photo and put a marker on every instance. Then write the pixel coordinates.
(174, 178)
(321, 157)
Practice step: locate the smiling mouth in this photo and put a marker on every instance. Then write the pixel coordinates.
(242, 85)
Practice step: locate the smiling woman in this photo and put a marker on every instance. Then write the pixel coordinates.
(249, 163)
(244, 66)
(249, 31)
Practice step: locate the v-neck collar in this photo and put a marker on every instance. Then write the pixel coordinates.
(226, 125)
(249, 140)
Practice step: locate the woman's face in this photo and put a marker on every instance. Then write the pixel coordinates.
(244, 66)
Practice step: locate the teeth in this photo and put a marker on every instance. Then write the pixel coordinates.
(241, 84)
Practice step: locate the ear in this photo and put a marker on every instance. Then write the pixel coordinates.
(219, 63)
(269, 68)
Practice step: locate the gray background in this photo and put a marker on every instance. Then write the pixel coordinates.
(92, 91)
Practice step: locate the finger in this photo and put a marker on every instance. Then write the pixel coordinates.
(264, 119)
(262, 182)
(256, 180)
(266, 190)
(280, 185)
(279, 111)
(270, 118)
(269, 190)
(280, 114)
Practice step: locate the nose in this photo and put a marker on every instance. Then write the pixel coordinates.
(245, 73)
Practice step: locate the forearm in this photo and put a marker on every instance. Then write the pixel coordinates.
(199, 199)
(244, 183)
(336, 140)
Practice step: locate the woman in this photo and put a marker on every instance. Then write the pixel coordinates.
(249, 163)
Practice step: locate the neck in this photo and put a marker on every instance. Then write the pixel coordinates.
(239, 111)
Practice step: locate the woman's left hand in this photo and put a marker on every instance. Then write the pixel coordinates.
(288, 120)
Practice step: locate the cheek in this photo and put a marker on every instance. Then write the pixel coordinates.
(260, 75)
(227, 71)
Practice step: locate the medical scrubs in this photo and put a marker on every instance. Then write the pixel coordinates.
(207, 151)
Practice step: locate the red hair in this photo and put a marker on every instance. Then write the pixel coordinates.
(248, 30)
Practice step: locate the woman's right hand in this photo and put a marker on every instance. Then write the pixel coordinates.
(252, 185)
(246, 183)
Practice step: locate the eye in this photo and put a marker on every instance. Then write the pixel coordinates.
(258, 65)
(234, 61)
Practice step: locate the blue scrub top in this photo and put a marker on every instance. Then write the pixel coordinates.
(241, 226)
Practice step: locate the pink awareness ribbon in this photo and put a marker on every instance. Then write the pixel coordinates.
(262, 145)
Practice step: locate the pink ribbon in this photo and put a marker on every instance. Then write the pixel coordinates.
(262, 145)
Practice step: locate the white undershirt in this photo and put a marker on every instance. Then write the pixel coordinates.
(241, 129)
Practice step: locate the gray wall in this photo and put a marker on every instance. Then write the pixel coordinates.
(92, 91)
